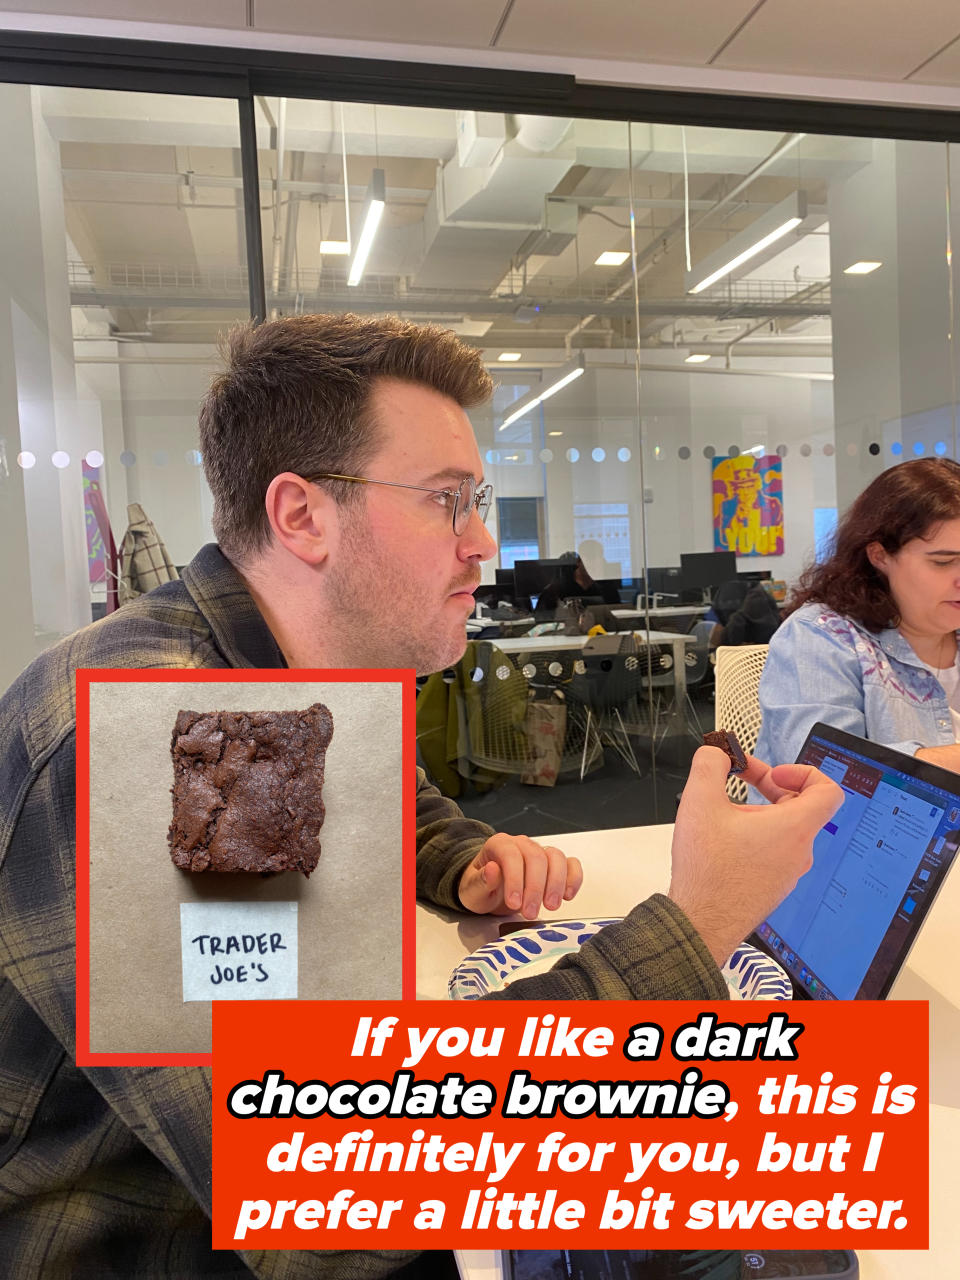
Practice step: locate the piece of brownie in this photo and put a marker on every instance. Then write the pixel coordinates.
(247, 789)
(729, 743)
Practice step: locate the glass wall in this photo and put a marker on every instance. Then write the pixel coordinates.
(123, 258)
(731, 313)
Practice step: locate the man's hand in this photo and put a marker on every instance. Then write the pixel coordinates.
(512, 873)
(733, 864)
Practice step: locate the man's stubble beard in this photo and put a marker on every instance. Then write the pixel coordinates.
(379, 619)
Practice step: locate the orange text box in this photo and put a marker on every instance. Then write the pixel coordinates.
(614, 1125)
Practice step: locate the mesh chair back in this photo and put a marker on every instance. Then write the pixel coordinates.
(739, 668)
(697, 657)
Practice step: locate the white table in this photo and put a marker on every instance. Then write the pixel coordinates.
(623, 867)
(555, 641)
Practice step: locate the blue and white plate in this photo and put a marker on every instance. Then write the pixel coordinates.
(749, 974)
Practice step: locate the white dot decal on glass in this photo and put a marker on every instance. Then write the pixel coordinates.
(94, 458)
(579, 667)
(918, 447)
(805, 451)
(26, 459)
(60, 459)
(624, 455)
(598, 455)
(733, 451)
(160, 458)
(193, 457)
(529, 670)
(828, 450)
(127, 459)
(555, 669)
(709, 451)
(683, 452)
(940, 448)
(545, 455)
(476, 675)
(490, 457)
(573, 455)
(782, 450)
(502, 673)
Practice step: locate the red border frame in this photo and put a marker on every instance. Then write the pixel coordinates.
(116, 675)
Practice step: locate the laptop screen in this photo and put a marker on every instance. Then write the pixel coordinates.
(845, 931)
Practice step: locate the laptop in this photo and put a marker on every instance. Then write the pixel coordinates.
(846, 930)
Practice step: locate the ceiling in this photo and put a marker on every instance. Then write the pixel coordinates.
(895, 42)
(497, 236)
(493, 223)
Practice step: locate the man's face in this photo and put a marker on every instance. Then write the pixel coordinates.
(400, 579)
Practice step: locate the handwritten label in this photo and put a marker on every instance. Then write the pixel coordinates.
(239, 950)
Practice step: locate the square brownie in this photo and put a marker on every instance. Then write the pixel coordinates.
(247, 789)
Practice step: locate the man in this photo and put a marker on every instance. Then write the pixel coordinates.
(348, 493)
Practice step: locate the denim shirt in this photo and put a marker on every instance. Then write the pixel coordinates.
(823, 666)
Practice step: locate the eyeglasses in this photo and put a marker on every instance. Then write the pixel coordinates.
(464, 499)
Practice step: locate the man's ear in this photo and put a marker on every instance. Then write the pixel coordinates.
(302, 515)
(877, 556)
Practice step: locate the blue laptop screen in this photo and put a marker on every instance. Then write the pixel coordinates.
(846, 929)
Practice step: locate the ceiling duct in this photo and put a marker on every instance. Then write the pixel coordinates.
(478, 218)
(540, 133)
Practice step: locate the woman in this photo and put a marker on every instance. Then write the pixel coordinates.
(870, 644)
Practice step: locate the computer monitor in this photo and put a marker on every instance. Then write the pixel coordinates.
(609, 590)
(504, 578)
(756, 575)
(532, 576)
(664, 580)
(707, 569)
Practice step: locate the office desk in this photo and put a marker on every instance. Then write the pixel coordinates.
(623, 867)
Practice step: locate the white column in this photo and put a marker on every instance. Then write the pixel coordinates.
(44, 516)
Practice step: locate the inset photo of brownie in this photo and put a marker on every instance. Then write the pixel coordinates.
(244, 843)
(247, 790)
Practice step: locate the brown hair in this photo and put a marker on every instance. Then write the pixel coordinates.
(294, 396)
(901, 504)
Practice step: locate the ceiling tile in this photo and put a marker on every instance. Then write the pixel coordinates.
(874, 39)
(657, 31)
(213, 13)
(435, 22)
(943, 69)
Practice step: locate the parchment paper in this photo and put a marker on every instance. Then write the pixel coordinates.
(349, 909)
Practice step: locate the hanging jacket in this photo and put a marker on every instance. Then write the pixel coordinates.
(144, 561)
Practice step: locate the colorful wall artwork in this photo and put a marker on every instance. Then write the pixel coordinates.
(748, 505)
(96, 549)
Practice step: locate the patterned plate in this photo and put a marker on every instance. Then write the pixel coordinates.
(749, 974)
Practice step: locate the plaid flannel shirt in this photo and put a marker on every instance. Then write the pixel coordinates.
(105, 1171)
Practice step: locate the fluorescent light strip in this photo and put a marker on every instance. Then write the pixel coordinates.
(365, 243)
(544, 395)
(746, 255)
(558, 386)
(376, 203)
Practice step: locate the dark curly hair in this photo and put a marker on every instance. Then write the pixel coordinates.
(901, 504)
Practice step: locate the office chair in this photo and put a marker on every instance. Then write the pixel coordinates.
(738, 672)
(606, 681)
